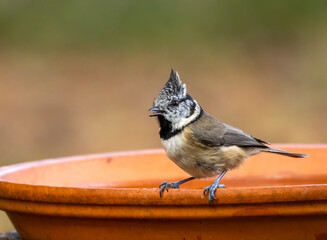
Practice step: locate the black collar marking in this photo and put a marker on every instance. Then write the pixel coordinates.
(166, 127)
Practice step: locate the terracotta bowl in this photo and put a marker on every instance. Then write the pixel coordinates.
(116, 196)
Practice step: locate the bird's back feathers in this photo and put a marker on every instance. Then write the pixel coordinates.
(209, 131)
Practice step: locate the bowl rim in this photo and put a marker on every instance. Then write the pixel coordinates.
(150, 196)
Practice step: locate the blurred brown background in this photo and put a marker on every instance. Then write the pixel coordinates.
(78, 77)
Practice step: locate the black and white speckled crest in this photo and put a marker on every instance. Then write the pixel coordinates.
(173, 90)
(174, 108)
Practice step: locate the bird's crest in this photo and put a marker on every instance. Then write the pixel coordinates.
(173, 89)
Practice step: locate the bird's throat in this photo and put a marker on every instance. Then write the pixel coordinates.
(166, 127)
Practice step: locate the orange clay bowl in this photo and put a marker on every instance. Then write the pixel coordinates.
(116, 196)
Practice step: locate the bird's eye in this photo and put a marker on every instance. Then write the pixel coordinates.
(174, 103)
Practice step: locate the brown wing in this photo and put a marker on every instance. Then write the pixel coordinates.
(211, 132)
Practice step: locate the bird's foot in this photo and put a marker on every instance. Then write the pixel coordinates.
(165, 185)
(211, 191)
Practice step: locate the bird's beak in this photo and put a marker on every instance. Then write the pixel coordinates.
(156, 112)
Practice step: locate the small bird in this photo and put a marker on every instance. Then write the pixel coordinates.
(199, 143)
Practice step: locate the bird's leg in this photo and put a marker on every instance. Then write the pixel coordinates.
(165, 185)
(212, 188)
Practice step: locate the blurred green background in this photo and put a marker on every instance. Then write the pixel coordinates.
(78, 77)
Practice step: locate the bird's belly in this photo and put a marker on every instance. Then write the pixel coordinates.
(202, 162)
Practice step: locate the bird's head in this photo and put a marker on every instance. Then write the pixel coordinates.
(174, 105)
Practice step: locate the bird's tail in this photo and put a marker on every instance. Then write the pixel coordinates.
(285, 153)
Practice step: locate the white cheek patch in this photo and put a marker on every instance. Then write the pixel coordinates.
(183, 122)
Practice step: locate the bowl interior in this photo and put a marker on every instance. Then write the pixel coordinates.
(147, 169)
